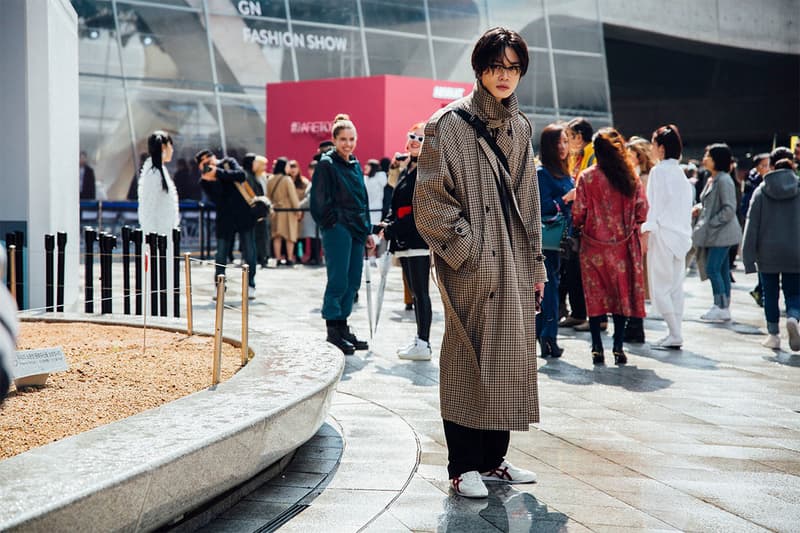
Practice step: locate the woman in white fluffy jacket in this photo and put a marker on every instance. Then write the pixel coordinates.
(158, 203)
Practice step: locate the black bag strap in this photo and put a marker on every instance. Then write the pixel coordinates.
(480, 128)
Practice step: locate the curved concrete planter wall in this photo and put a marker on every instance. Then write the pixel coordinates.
(143, 471)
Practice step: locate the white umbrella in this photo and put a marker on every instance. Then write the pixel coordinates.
(368, 283)
(383, 263)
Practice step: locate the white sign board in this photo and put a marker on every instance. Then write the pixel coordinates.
(41, 361)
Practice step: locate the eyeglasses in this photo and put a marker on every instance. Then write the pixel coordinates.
(418, 138)
(513, 70)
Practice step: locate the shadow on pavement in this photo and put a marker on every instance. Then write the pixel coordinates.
(629, 377)
(784, 358)
(506, 509)
(682, 358)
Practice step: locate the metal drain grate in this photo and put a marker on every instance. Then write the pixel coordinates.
(278, 521)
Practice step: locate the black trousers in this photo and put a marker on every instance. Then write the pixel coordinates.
(571, 284)
(473, 449)
(417, 272)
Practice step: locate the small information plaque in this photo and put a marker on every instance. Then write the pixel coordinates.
(40, 361)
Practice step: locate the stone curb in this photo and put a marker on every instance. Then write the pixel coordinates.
(146, 470)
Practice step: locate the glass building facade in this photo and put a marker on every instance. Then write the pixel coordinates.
(198, 68)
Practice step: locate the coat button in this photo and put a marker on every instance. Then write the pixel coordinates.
(487, 208)
(494, 253)
(491, 295)
(540, 257)
(458, 230)
(444, 247)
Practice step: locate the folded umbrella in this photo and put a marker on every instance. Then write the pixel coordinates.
(383, 267)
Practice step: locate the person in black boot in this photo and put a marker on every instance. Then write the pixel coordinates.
(336, 338)
(340, 209)
(348, 335)
(634, 330)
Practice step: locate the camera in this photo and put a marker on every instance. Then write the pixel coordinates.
(207, 168)
(401, 157)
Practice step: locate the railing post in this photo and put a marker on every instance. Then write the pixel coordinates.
(162, 274)
(61, 242)
(188, 274)
(245, 312)
(12, 270)
(152, 239)
(216, 363)
(126, 269)
(176, 272)
(89, 236)
(49, 271)
(136, 237)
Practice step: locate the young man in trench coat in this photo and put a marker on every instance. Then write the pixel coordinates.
(483, 226)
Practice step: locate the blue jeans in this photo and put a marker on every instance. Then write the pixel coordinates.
(225, 248)
(770, 285)
(718, 268)
(344, 262)
(547, 320)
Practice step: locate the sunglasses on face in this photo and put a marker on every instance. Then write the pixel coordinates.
(413, 137)
(497, 69)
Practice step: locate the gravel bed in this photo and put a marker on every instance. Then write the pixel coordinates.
(109, 378)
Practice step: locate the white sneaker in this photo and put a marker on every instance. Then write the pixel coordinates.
(509, 473)
(408, 346)
(469, 485)
(794, 334)
(419, 350)
(725, 314)
(715, 314)
(251, 293)
(670, 342)
(773, 342)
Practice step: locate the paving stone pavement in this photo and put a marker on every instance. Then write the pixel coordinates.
(702, 439)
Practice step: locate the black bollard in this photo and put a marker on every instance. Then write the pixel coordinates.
(102, 243)
(152, 240)
(49, 248)
(10, 241)
(162, 274)
(109, 243)
(126, 269)
(176, 271)
(19, 241)
(89, 236)
(61, 240)
(136, 237)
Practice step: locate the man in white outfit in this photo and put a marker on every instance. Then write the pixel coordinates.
(667, 233)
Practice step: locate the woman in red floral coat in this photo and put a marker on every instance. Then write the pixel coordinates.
(610, 206)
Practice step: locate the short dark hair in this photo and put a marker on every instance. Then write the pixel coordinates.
(280, 165)
(325, 144)
(198, 157)
(722, 156)
(670, 138)
(760, 157)
(582, 126)
(491, 46)
(781, 152)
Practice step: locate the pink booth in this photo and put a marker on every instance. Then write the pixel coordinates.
(299, 114)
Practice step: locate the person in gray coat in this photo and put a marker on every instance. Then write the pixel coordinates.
(771, 247)
(717, 229)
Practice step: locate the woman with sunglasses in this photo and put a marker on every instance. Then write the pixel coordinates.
(406, 243)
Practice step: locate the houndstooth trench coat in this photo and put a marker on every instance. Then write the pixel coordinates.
(488, 356)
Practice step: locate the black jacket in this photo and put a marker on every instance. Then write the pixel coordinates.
(338, 195)
(233, 212)
(401, 230)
